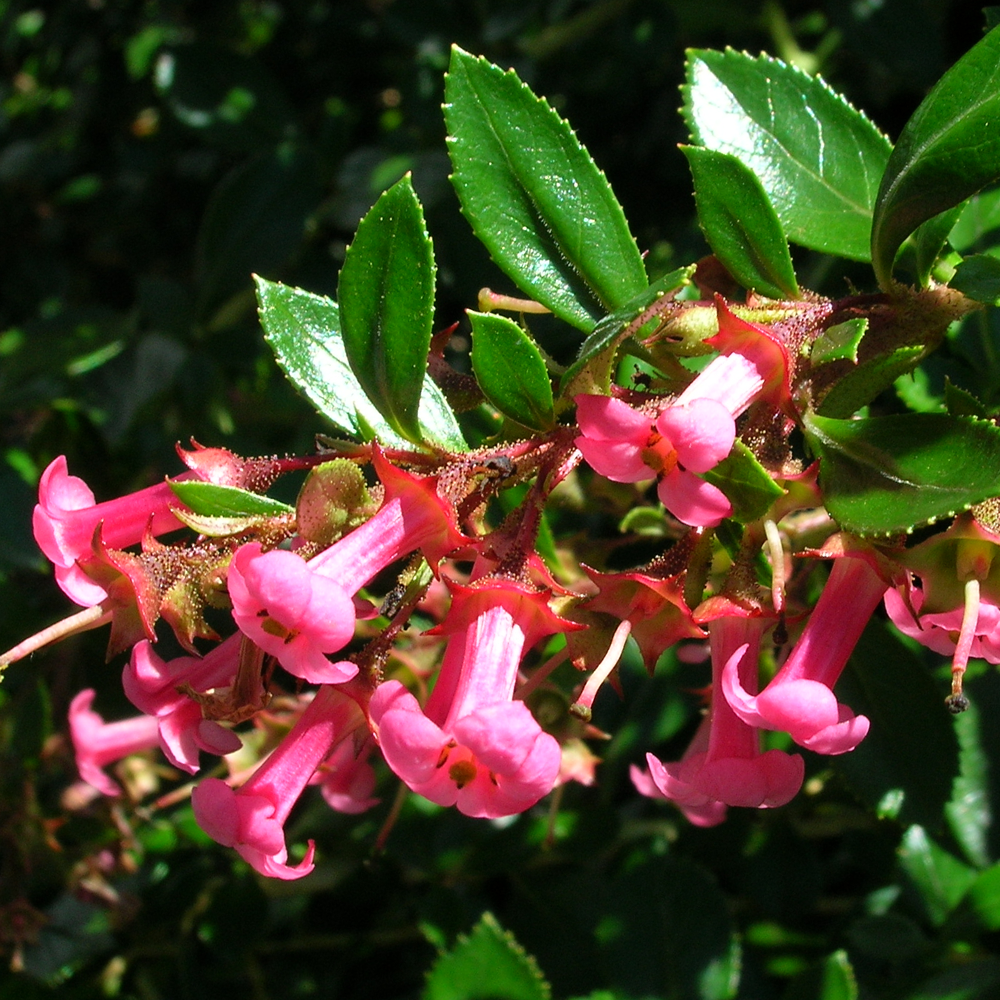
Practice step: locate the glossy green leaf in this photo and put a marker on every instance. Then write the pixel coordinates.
(740, 224)
(511, 371)
(960, 403)
(386, 295)
(905, 766)
(886, 474)
(534, 196)
(303, 330)
(487, 963)
(948, 150)
(940, 878)
(746, 483)
(592, 369)
(839, 342)
(211, 500)
(861, 385)
(983, 899)
(818, 159)
(978, 277)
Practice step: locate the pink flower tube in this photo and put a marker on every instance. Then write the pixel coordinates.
(66, 517)
(800, 699)
(299, 611)
(153, 686)
(474, 747)
(252, 817)
(725, 763)
(98, 743)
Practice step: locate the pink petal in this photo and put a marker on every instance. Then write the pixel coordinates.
(215, 809)
(619, 461)
(842, 737)
(693, 501)
(800, 707)
(702, 433)
(602, 418)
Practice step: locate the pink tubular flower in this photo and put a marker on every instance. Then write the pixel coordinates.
(98, 743)
(627, 446)
(154, 687)
(66, 517)
(251, 818)
(724, 763)
(475, 747)
(346, 779)
(800, 699)
(292, 612)
(299, 611)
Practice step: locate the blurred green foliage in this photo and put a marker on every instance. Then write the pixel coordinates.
(152, 156)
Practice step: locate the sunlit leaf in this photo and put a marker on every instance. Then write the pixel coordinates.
(386, 295)
(978, 277)
(534, 196)
(948, 150)
(747, 484)
(886, 474)
(740, 224)
(210, 500)
(511, 371)
(818, 159)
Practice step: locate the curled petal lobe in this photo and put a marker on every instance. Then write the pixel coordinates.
(693, 501)
(703, 432)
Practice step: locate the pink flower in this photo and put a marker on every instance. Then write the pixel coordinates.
(292, 612)
(252, 817)
(800, 698)
(67, 516)
(98, 743)
(724, 763)
(346, 779)
(474, 747)
(627, 446)
(154, 687)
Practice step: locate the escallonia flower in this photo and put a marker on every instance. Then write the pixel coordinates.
(97, 743)
(724, 766)
(252, 818)
(299, 611)
(67, 516)
(474, 746)
(799, 699)
(955, 610)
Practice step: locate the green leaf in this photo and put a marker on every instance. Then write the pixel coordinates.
(839, 342)
(746, 483)
(979, 219)
(386, 295)
(818, 159)
(210, 500)
(978, 277)
(832, 979)
(487, 964)
(591, 371)
(862, 384)
(960, 403)
(886, 474)
(929, 240)
(983, 899)
(511, 370)
(534, 196)
(939, 877)
(303, 330)
(948, 150)
(905, 766)
(740, 224)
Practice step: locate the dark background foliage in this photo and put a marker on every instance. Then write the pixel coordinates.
(152, 155)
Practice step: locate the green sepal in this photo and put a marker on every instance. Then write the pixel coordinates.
(839, 342)
(740, 223)
(534, 196)
(211, 500)
(948, 150)
(386, 296)
(511, 371)
(884, 475)
(747, 484)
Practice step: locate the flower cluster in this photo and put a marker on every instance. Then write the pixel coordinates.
(291, 672)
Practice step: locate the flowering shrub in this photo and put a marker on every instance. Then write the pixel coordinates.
(428, 518)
